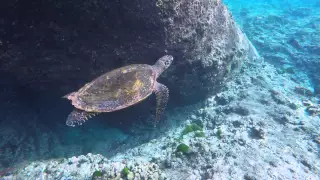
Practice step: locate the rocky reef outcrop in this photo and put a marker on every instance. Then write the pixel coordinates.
(50, 48)
(209, 45)
(221, 138)
(92, 167)
(54, 47)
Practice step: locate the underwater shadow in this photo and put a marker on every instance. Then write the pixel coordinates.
(38, 132)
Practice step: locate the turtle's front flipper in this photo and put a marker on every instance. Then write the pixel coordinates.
(162, 95)
(77, 117)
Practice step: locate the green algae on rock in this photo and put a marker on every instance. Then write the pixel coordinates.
(191, 128)
(183, 148)
(96, 174)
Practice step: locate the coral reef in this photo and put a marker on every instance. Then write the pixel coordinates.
(48, 51)
(88, 167)
(268, 141)
(256, 127)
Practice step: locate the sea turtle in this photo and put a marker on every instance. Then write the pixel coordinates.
(118, 89)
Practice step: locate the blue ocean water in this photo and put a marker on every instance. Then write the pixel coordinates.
(281, 140)
(286, 33)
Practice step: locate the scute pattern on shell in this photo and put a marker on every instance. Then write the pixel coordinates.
(117, 89)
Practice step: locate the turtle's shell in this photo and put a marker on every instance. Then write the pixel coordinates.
(117, 89)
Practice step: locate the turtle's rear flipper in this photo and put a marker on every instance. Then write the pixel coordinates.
(162, 95)
(77, 117)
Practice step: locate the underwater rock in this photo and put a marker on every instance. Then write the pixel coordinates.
(257, 133)
(88, 166)
(58, 52)
(238, 109)
(303, 91)
(278, 97)
(294, 43)
(313, 110)
(249, 177)
(223, 99)
(307, 103)
(208, 40)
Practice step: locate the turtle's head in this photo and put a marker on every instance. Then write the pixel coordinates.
(162, 64)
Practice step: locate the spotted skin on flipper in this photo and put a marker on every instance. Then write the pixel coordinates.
(78, 117)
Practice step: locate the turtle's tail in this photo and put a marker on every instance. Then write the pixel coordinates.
(69, 96)
(78, 117)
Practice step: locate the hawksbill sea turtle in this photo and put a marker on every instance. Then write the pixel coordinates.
(118, 89)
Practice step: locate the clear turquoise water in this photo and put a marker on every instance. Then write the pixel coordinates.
(286, 33)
